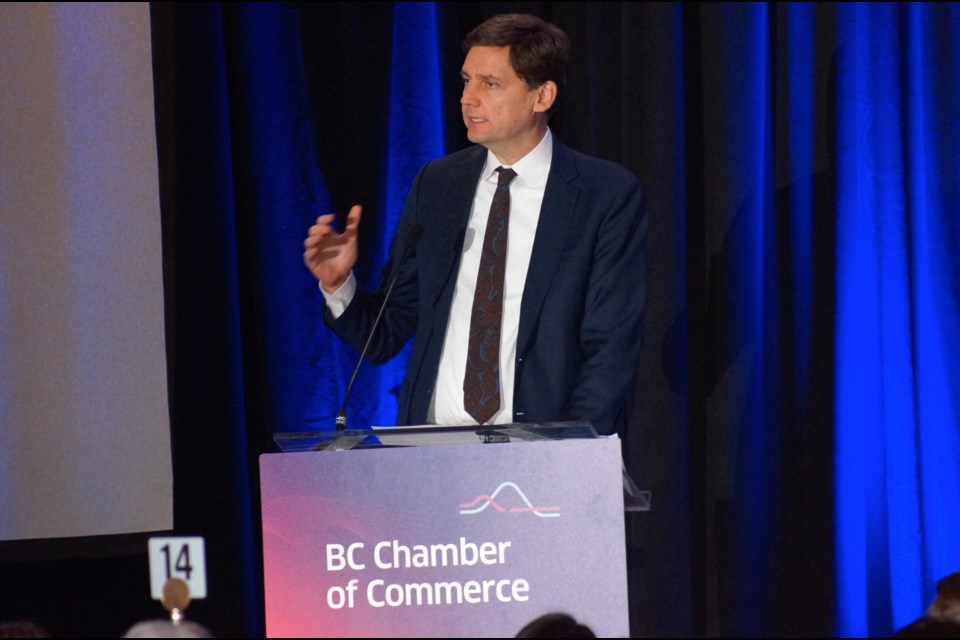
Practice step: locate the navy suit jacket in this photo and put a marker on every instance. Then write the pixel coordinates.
(581, 312)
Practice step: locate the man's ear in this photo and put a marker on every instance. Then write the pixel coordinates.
(546, 96)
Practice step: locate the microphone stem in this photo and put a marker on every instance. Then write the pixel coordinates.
(342, 414)
(413, 236)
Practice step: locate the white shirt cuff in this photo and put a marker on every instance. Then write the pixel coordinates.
(338, 301)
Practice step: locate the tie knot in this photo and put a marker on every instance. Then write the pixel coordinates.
(506, 175)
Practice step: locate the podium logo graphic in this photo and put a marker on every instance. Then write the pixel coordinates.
(483, 501)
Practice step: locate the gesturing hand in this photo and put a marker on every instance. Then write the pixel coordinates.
(330, 255)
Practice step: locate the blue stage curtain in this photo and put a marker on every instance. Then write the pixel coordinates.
(302, 368)
(898, 311)
(840, 226)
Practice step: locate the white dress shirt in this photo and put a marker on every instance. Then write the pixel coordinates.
(526, 197)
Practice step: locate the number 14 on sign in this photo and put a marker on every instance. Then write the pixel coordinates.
(181, 558)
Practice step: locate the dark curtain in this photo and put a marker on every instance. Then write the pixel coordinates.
(796, 407)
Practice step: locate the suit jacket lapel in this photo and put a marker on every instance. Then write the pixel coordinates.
(452, 217)
(556, 214)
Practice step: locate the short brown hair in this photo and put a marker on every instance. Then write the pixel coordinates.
(539, 50)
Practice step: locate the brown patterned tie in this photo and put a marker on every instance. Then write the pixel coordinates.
(481, 383)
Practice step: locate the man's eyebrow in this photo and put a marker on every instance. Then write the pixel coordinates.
(481, 76)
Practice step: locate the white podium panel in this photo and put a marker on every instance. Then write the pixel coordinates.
(444, 541)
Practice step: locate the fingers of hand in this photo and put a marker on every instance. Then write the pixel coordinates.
(323, 242)
(353, 218)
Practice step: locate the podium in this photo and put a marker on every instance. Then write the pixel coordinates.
(420, 532)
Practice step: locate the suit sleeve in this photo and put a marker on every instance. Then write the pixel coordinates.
(399, 320)
(612, 326)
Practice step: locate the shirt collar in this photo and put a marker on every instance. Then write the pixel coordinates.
(532, 168)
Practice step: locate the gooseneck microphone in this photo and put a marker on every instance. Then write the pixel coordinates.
(413, 236)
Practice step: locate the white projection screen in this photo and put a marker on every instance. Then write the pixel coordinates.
(84, 420)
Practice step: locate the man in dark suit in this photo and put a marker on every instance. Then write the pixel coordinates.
(570, 292)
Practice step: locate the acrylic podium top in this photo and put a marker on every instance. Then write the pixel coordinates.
(430, 435)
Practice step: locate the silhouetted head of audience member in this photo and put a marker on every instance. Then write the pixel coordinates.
(167, 629)
(555, 625)
(942, 619)
(946, 604)
(22, 629)
(929, 628)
